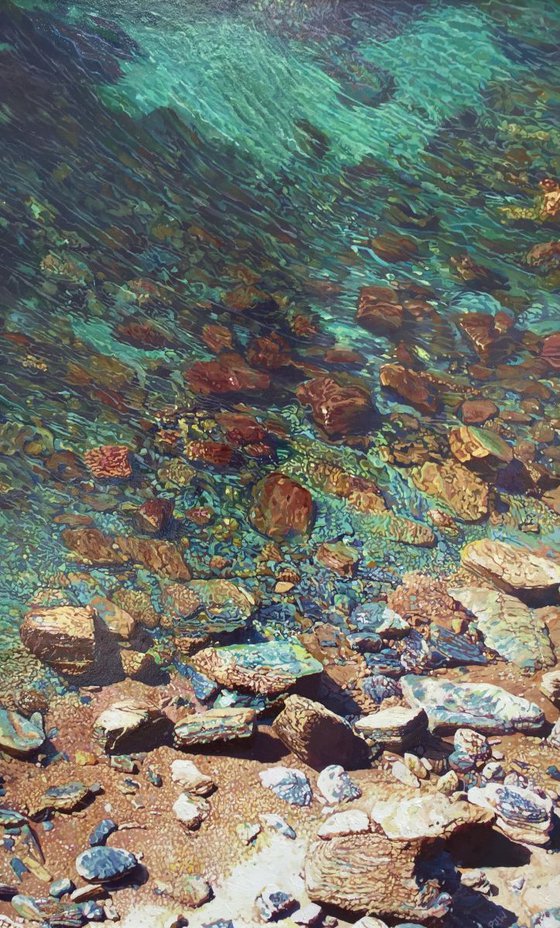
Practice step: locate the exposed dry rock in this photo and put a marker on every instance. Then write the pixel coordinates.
(349, 822)
(20, 736)
(63, 636)
(370, 873)
(394, 729)
(214, 725)
(522, 814)
(130, 725)
(426, 816)
(550, 686)
(339, 409)
(517, 633)
(456, 486)
(281, 507)
(512, 568)
(318, 736)
(268, 668)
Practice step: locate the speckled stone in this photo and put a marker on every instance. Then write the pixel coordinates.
(105, 864)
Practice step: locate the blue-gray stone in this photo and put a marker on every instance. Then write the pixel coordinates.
(62, 887)
(379, 687)
(549, 918)
(104, 864)
(102, 831)
(18, 735)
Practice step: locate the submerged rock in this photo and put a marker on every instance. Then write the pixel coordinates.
(229, 373)
(412, 387)
(281, 507)
(214, 725)
(512, 568)
(318, 736)
(63, 636)
(19, 735)
(482, 706)
(340, 410)
(479, 446)
(268, 668)
(522, 814)
(426, 816)
(102, 864)
(510, 628)
(456, 486)
(368, 872)
(379, 310)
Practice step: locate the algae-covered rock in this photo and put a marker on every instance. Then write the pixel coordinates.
(268, 668)
(482, 706)
(516, 632)
(19, 735)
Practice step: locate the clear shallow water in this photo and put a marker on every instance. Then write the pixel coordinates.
(242, 158)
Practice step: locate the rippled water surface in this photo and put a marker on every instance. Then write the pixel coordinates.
(171, 169)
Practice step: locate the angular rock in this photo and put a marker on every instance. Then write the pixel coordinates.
(190, 813)
(425, 816)
(349, 822)
(268, 668)
(288, 784)
(477, 412)
(510, 628)
(19, 735)
(482, 706)
(67, 797)
(227, 605)
(456, 486)
(473, 744)
(63, 636)
(187, 774)
(318, 736)
(155, 554)
(214, 725)
(281, 507)
(522, 814)
(154, 515)
(105, 864)
(118, 621)
(193, 891)
(109, 462)
(394, 729)
(414, 388)
(91, 545)
(273, 903)
(130, 725)
(336, 785)
(371, 873)
(338, 409)
(514, 569)
(550, 686)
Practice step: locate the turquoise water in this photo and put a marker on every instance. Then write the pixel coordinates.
(244, 158)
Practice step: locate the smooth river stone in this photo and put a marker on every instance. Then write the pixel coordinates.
(481, 706)
(102, 864)
(511, 628)
(511, 567)
(19, 735)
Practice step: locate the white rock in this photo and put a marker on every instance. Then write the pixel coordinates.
(430, 815)
(350, 822)
(336, 785)
(191, 778)
(190, 813)
(308, 915)
(401, 773)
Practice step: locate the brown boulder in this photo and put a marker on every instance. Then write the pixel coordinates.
(338, 409)
(476, 412)
(337, 556)
(154, 515)
(155, 554)
(318, 736)
(90, 544)
(269, 352)
(479, 446)
(63, 636)
(370, 873)
(456, 486)
(413, 387)
(392, 247)
(229, 373)
(281, 507)
(379, 310)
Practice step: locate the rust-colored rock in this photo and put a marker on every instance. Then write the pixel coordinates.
(337, 556)
(379, 310)
(217, 337)
(269, 352)
(422, 599)
(550, 351)
(91, 545)
(318, 736)
(339, 409)
(63, 636)
(281, 507)
(392, 247)
(545, 256)
(412, 387)
(344, 356)
(154, 515)
(362, 494)
(370, 873)
(109, 461)
(452, 483)
(485, 332)
(240, 428)
(155, 554)
(229, 373)
(474, 445)
(215, 453)
(477, 412)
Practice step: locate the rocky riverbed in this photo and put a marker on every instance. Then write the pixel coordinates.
(280, 464)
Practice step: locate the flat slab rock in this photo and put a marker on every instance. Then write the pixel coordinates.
(214, 725)
(426, 816)
(516, 632)
(369, 873)
(511, 567)
(481, 706)
(267, 668)
(521, 813)
(105, 864)
(318, 736)
(396, 728)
